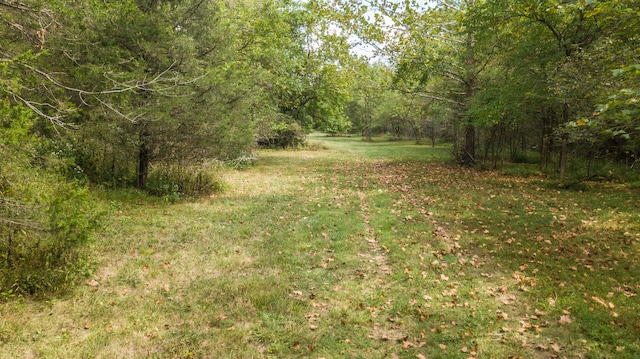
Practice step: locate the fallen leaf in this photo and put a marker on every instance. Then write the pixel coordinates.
(600, 301)
(540, 313)
(407, 345)
(564, 319)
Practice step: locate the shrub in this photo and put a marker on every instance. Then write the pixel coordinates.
(44, 225)
(44, 220)
(282, 135)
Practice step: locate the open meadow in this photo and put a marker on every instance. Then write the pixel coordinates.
(355, 250)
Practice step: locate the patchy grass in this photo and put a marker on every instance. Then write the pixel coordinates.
(362, 250)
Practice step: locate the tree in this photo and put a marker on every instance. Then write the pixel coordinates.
(370, 85)
(554, 57)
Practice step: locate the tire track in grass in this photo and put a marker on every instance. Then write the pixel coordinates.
(380, 258)
(389, 331)
(359, 179)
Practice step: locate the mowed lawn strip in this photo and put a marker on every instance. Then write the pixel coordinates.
(360, 250)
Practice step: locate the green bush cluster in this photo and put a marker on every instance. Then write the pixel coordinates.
(282, 135)
(45, 220)
(42, 232)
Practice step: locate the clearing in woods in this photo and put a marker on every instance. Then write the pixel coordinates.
(359, 250)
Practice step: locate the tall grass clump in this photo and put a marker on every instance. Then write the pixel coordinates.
(43, 229)
(175, 182)
(242, 162)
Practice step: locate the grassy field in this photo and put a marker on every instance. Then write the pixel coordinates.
(358, 250)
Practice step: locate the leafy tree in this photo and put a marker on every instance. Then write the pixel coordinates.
(554, 57)
(371, 81)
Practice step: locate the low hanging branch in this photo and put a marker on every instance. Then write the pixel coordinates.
(160, 84)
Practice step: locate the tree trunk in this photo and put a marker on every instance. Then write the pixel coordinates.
(545, 139)
(10, 249)
(367, 133)
(592, 155)
(418, 133)
(144, 159)
(433, 136)
(469, 154)
(564, 155)
(564, 139)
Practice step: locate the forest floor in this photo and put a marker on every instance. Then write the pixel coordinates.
(358, 250)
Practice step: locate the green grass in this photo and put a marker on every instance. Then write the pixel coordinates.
(353, 250)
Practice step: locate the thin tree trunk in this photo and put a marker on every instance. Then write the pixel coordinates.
(564, 155)
(592, 155)
(418, 133)
(469, 155)
(545, 140)
(10, 249)
(144, 159)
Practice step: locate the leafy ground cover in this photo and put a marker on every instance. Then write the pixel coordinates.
(359, 250)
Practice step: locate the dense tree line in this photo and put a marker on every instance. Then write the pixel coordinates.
(142, 93)
(516, 79)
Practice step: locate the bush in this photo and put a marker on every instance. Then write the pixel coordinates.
(174, 182)
(282, 135)
(44, 220)
(44, 225)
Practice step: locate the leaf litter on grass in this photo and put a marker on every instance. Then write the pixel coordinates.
(333, 255)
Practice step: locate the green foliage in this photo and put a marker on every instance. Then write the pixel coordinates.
(514, 75)
(16, 124)
(282, 134)
(335, 126)
(619, 115)
(44, 220)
